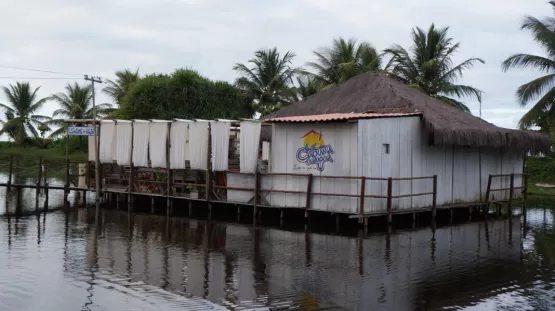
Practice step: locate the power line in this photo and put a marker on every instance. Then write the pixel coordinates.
(40, 70)
(41, 78)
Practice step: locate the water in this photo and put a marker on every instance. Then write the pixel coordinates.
(56, 261)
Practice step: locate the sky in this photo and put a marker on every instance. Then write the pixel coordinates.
(99, 37)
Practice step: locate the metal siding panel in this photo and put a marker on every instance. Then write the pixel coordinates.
(405, 151)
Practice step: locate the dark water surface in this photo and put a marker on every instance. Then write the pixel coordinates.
(140, 262)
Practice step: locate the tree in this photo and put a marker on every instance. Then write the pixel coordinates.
(269, 79)
(343, 60)
(428, 66)
(306, 86)
(75, 103)
(118, 88)
(184, 94)
(21, 111)
(542, 114)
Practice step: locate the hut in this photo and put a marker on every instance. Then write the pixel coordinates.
(376, 127)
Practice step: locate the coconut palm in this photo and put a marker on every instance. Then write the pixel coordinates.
(428, 65)
(118, 88)
(344, 60)
(75, 103)
(542, 114)
(306, 86)
(269, 79)
(20, 111)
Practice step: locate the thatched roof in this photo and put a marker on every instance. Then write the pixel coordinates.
(447, 125)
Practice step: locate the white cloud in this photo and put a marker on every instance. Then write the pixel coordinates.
(100, 37)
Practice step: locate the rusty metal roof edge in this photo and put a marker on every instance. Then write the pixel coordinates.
(334, 117)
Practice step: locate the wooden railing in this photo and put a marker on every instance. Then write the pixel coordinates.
(511, 188)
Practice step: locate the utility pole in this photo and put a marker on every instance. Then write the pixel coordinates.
(96, 150)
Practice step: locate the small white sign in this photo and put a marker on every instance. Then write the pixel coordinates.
(80, 131)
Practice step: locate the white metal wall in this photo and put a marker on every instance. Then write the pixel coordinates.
(462, 172)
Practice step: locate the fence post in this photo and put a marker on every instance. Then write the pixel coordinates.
(255, 197)
(389, 192)
(362, 196)
(488, 190)
(511, 193)
(38, 185)
(308, 192)
(434, 199)
(66, 188)
(10, 173)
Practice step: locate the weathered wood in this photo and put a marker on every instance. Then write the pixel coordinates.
(389, 192)
(511, 193)
(255, 195)
(434, 198)
(37, 192)
(308, 191)
(362, 194)
(10, 173)
(525, 191)
(66, 190)
(488, 190)
(152, 210)
(46, 188)
(130, 187)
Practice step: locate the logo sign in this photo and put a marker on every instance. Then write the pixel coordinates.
(80, 131)
(315, 151)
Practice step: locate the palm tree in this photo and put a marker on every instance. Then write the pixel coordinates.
(269, 79)
(118, 88)
(21, 111)
(344, 60)
(428, 66)
(541, 114)
(75, 103)
(307, 85)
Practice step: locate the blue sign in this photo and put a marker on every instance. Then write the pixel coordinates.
(80, 131)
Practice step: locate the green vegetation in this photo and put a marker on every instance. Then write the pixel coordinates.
(429, 66)
(542, 114)
(540, 170)
(183, 94)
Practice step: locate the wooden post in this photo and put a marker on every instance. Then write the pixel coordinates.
(255, 197)
(152, 210)
(389, 193)
(168, 172)
(131, 175)
(488, 190)
(511, 194)
(18, 200)
(10, 173)
(46, 196)
(434, 198)
(37, 192)
(308, 194)
(190, 208)
(208, 171)
(66, 189)
(362, 196)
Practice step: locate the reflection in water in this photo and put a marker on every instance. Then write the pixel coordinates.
(144, 262)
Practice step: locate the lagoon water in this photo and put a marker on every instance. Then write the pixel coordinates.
(59, 261)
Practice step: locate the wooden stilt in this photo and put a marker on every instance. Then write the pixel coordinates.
(10, 173)
(450, 215)
(190, 208)
(238, 212)
(389, 199)
(413, 220)
(281, 214)
(37, 192)
(511, 194)
(18, 201)
(152, 209)
(46, 196)
(434, 199)
(337, 220)
(66, 189)
(85, 198)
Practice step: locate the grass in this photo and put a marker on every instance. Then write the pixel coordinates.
(50, 153)
(536, 190)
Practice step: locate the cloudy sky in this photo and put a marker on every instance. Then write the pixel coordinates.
(99, 37)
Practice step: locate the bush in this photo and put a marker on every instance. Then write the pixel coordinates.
(540, 168)
(183, 94)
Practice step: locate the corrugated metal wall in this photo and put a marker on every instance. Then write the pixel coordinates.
(461, 178)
